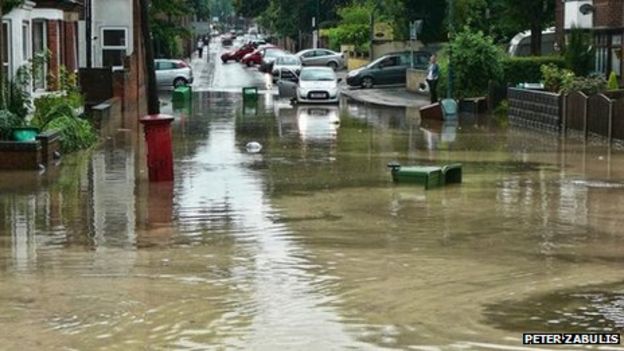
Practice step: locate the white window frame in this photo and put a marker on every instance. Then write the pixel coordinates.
(113, 47)
(46, 46)
(9, 45)
(26, 46)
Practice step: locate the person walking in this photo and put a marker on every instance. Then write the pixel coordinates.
(433, 74)
(200, 48)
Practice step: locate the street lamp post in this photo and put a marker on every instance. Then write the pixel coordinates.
(451, 28)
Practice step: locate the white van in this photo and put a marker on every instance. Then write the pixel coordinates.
(520, 44)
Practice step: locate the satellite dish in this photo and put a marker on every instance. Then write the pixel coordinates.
(586, 9)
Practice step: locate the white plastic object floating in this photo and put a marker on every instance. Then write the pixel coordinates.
(253, 147)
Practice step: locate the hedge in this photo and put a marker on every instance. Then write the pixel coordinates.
(527, 69)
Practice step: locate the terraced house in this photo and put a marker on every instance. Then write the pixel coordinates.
(605, 18)
(36, 27)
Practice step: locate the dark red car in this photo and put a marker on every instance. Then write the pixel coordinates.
(238, 54)
(255, 58)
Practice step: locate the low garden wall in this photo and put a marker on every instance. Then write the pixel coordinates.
(414, 78)
(30, 155)
(535, 109)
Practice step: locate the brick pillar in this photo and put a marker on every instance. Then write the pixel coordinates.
(53, 63)
(70, 46)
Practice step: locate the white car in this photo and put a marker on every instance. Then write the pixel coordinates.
(312, 85)
(173, 73)
(290, 62)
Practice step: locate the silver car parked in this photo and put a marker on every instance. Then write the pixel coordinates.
(321, 57)
(173, 73)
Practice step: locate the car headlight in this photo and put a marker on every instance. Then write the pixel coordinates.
(353, 73)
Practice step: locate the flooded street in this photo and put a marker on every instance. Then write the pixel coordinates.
(308, 245)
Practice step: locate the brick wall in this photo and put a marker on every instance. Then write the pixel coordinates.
(609, 13)
(53, 46)
(70, 46)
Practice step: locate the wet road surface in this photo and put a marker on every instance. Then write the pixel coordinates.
(308, 245)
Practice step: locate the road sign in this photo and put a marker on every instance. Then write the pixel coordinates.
(415, 29)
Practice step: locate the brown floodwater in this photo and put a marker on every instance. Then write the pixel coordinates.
(307, 244)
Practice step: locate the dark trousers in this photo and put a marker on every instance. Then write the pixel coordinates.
(433, 90)
(200, 51)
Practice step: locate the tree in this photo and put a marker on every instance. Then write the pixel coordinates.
(539, 14)
(251, 8)
(579, 53)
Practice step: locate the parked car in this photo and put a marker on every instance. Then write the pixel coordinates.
(238, 54)
(312, 85)
(173, 73)
(227, 40)
(290, 62)
(321, 57)
(255, 57)
(268, 58)
(388, 69)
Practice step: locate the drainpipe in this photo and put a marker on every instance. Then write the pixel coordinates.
(451, 12)
(88, 32)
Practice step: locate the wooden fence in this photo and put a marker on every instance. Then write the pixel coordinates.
(600, 114)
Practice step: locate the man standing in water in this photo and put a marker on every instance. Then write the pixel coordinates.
(433, 73)
(200, 47)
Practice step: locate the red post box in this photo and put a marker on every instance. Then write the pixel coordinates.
(159, 147)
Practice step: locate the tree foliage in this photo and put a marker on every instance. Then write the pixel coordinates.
(165, 18)
(476, 61)
(579, 53)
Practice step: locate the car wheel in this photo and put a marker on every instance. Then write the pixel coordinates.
(367, 82)
(178, 82)
(333, 65)
(224, 60)
(237, 59)
(248, 63)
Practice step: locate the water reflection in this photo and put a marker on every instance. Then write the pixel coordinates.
(308, 244)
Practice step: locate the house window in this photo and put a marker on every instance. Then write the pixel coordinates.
(114, 46)
(6, 49)
(25, 40)
(616, 54)
(39, 48)
(602, 53)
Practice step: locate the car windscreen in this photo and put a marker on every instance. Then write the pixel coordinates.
(318, 74)
(287, 61)
(376, 62)
(273, 53)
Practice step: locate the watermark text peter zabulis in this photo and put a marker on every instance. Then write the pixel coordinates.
(571, 339)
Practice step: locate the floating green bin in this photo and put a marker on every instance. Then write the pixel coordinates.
(250, 94)
(182, 94)
(429, 176)
(25, 134)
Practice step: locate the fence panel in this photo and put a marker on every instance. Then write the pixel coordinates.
(598, 114)
(618, 119)
(575, 110)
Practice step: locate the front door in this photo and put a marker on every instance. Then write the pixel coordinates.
(287, 83)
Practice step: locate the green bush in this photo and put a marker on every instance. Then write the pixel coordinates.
(527, 69)
(476, 61)
(8, 121)
(555, 78)
(76, 133)
(588, 85)
(16, 99)
(613, 83)
(351, 34)
(579, 53)
(49, 107)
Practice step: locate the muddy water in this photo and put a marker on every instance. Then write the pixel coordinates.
(307, 245)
